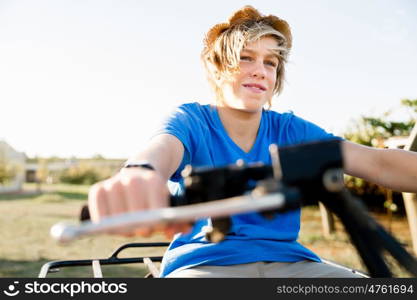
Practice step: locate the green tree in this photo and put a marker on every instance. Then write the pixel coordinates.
(8, 171)
(85, 173)
(42, 173)
(371, 131)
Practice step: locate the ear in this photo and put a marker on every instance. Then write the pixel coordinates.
(217, 75)
(218, 78)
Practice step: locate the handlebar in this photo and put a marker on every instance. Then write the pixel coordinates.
(64, 232)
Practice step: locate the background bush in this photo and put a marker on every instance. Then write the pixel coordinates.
(85, 174)
(373, 131)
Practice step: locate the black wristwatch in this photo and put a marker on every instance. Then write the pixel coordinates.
(141, 164)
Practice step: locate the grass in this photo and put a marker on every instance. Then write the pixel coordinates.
(26, 245)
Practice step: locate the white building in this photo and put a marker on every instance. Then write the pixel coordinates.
(10, 157)
(396, 142)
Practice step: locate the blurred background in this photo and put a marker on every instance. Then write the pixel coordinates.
(84, 84)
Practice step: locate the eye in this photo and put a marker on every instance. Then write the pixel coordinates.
(271, 63)
(245, 58)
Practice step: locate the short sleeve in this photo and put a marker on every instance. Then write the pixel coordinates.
(179, 123)
(303, 131)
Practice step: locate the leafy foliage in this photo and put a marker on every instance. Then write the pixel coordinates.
(85, 174)
(8, 170)
(372, 131)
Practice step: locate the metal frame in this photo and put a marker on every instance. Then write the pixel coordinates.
(54, 266)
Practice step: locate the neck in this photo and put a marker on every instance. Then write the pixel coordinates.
(242, 127)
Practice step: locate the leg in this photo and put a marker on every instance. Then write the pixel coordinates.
(250, 270)
(307, 269)
(302, 269)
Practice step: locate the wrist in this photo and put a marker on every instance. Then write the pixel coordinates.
(139, 164)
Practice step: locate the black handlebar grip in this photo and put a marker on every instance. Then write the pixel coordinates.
(85, 213)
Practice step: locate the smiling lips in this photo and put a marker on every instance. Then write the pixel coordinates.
(254, 87)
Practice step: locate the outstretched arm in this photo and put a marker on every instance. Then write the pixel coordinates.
(392, 168)
(164, 153)
(135, 189)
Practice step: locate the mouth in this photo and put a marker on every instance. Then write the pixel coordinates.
(255, 87)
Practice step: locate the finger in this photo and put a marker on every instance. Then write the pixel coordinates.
(158, 197)
(115, 202)
(116, 196)
(169, 233)
(144, 231)
(127, 234)
(97, 202)
(136, 193)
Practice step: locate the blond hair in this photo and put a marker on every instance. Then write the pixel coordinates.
(224, 42)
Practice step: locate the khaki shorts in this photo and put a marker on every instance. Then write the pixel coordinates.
(301, 269)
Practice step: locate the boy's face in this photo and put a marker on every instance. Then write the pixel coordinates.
(253, 85)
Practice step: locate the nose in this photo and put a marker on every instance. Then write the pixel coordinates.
(258, 70)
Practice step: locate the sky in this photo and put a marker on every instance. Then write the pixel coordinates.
(80, 78)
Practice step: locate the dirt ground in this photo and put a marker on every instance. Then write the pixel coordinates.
(338, 247)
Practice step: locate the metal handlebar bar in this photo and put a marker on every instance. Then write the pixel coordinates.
(65, 232)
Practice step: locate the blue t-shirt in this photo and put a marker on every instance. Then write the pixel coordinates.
(252, 237)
